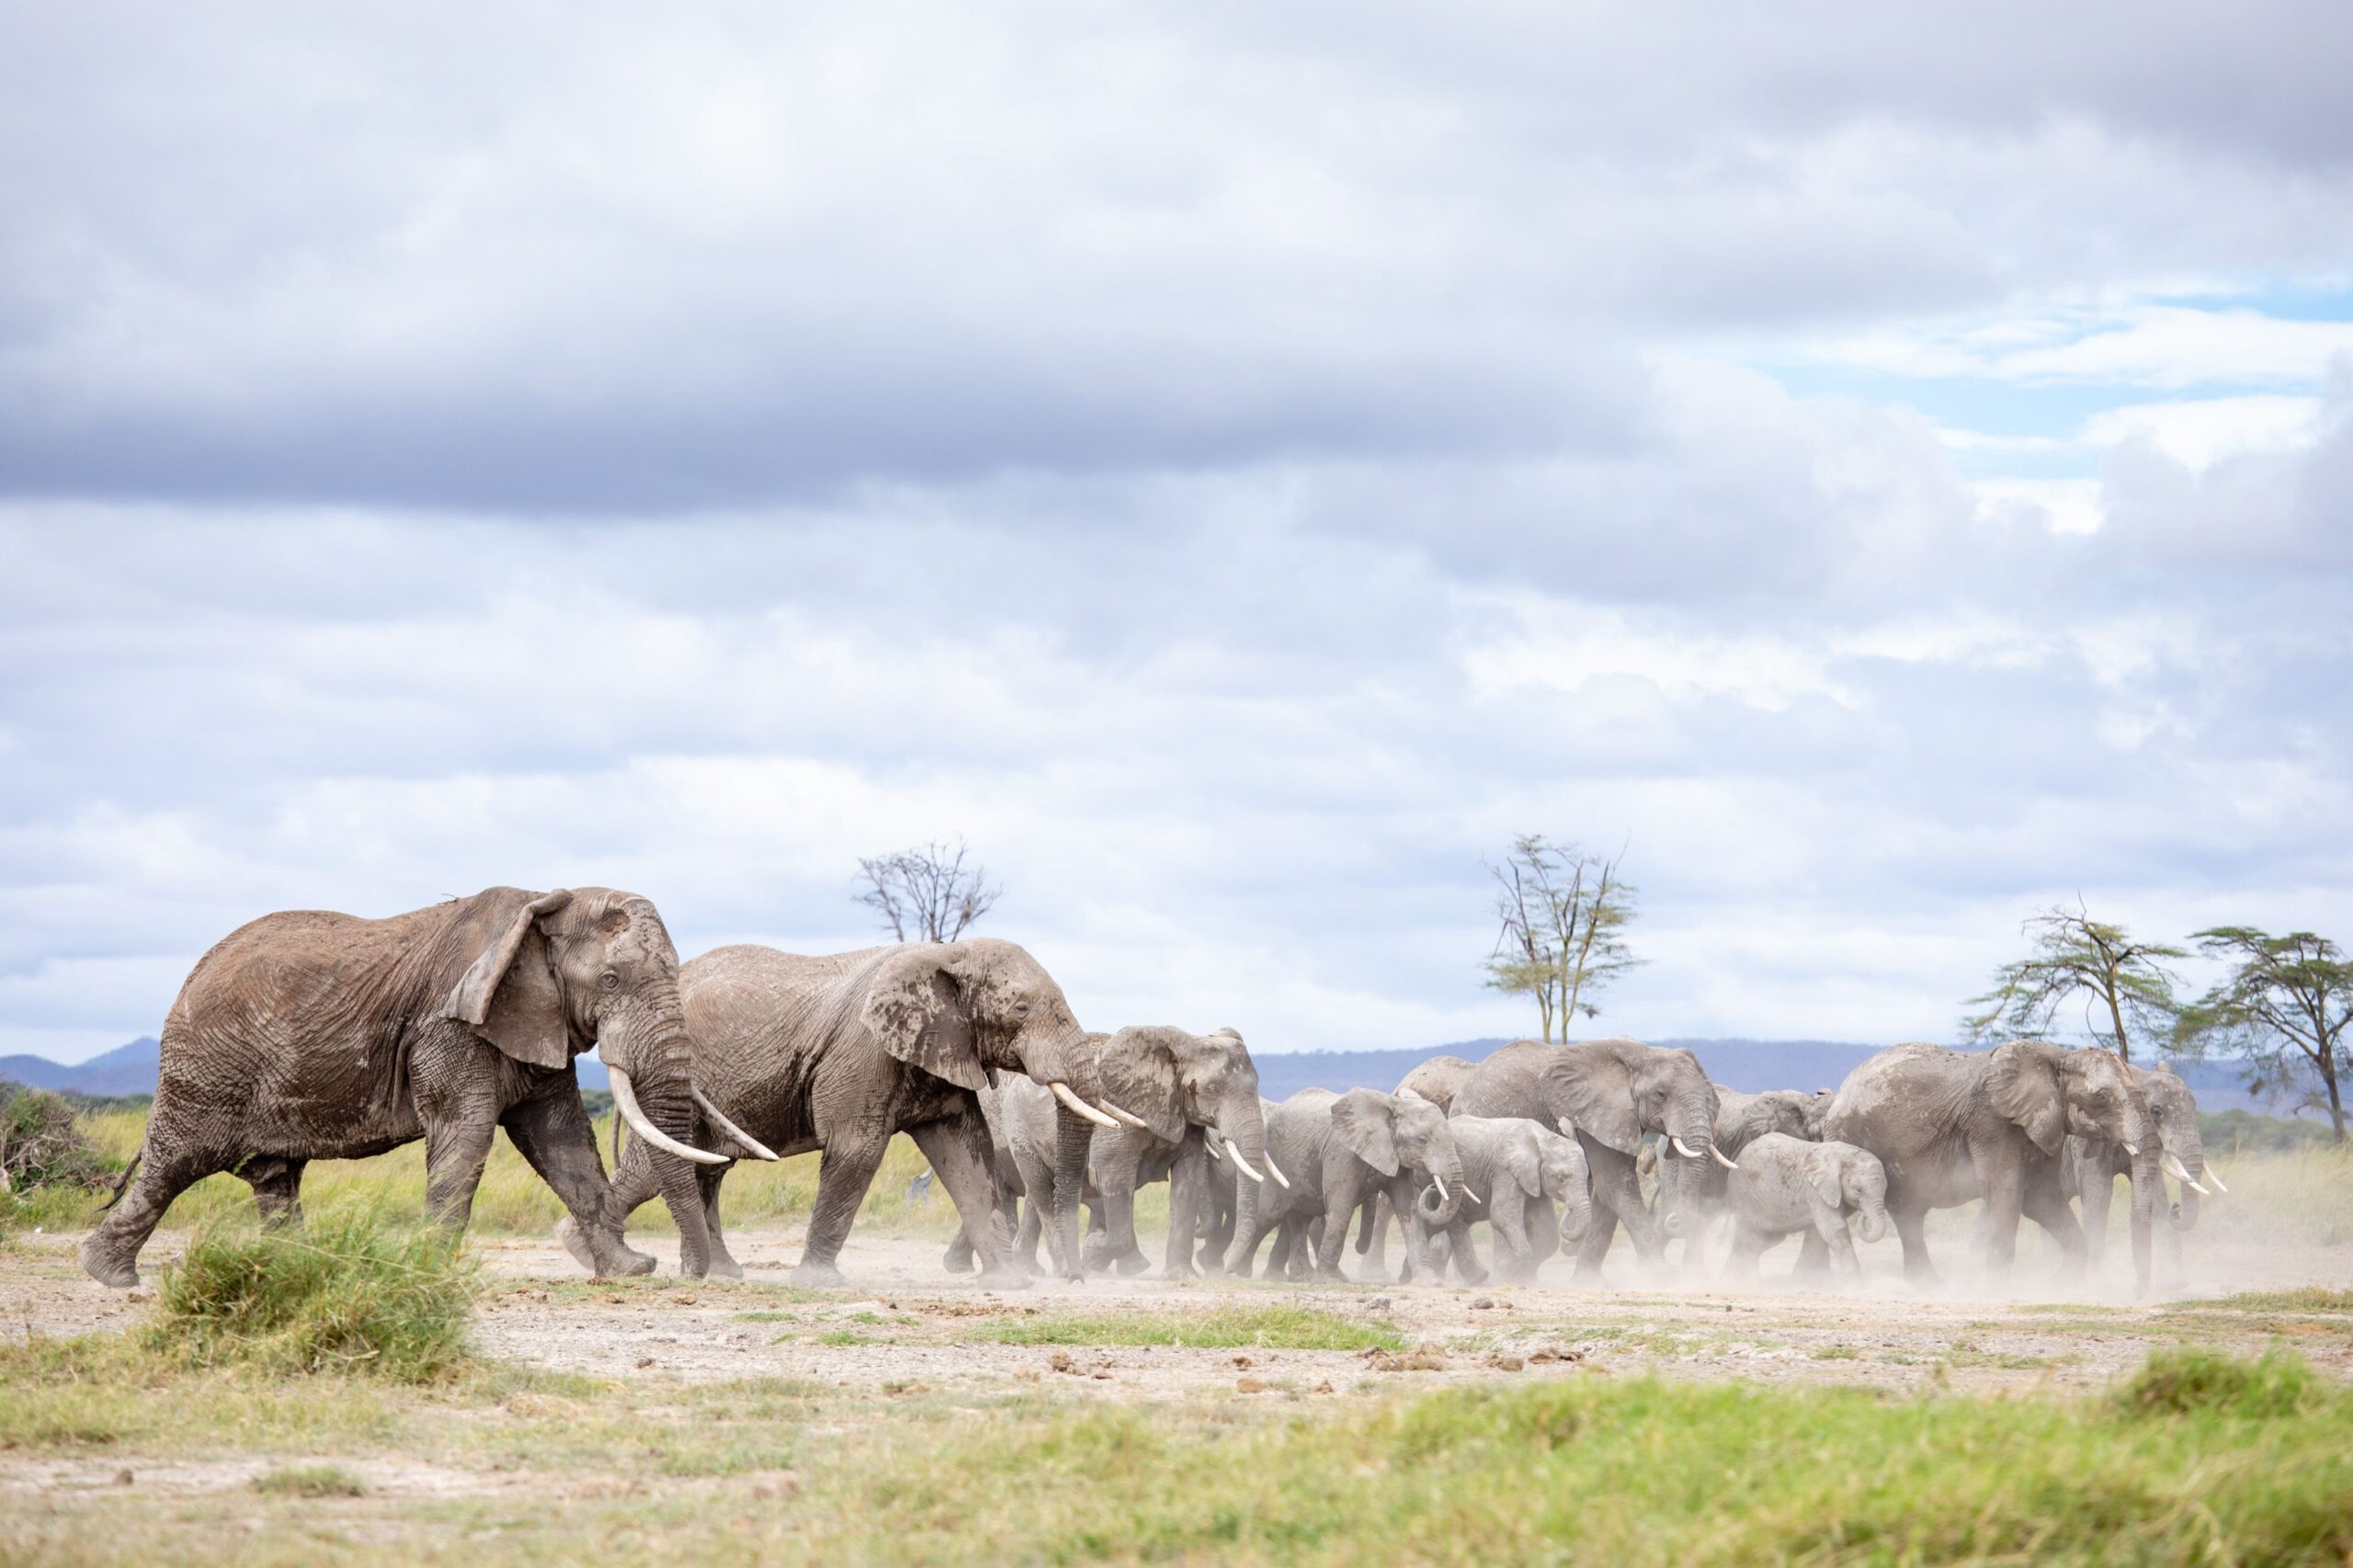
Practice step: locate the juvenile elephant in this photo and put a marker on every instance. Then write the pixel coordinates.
(1338, 1151)
(1609, 1093)
(1825, 1190)
(2091, 1166)
(839, 1054)
(1529, 1183)
(1953, 1127)
(312, 1036)
(1740, 1119)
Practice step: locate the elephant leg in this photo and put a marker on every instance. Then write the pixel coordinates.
(1998, 1227)
(1025, 1241)
(2046, 1205)
(1462, 1256)
(276, 1182)
(110, 1252)
(1038, 1186)
(1748, 1245)
(1618, 1191)
(1342, 1197)
(844, 1174)
(455, 1154)
(1185, 1184)
(1248, 1233)
(552, 1133)
(1813, 1257)
(2097, 1190)
(722, 1262)
(1376, 1254)
(1421, 1255)
(1912, 1230)
(957, 1149)
(1596, 1245)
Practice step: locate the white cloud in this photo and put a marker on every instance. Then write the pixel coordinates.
(2199, 432)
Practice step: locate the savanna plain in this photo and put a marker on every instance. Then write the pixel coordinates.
(362, 1388)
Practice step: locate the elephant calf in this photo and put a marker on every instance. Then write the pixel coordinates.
(1519, 1175)
(1339, 1150)
(1787, 1185)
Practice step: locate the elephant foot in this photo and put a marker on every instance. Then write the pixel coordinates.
(1131, 1263)
(103, 1265)
(725, 1268)
(568, 1232)
(958, 1258)
(1327, 1276)
(1004, 1278)
(1178, 1273)
(818, 1274)
(1590, 1277)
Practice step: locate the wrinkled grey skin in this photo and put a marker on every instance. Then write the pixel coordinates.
(1177, 1084)
(1339, 1150)
(313, 1036)
(1609, 1093)
(1740, 1119)
(2091, 1167)
(1531, 1187)
(1953, 1127)
(1006, 1173)
(839, 1054)
(1821, 1190)
(1436, 1081)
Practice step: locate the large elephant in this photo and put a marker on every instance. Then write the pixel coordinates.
(1953, 1127)
(839, 1053)
(1338, 1151)
(2091, 1167)
(1820, 1191)
(313, 1036)
(1530, 1184)
(1608, 1094)
(1439, 1080)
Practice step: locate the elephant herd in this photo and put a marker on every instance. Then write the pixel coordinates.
(307, 1035)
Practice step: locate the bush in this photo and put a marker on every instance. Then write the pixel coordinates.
(42, 1143)
(352, 1293)
(2182, 1383)
(2236, 1131)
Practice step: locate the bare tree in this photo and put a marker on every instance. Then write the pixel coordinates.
(1564, 914)
(2128, 980)
(926, 894)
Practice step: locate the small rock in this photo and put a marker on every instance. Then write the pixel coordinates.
(1061, 1361)
(687, 1301)
(141, 1296)
(1557, 1353)
(1324, 1387)
(1378, 1304)
(122, 1478)
(1243, 1362)
(1249, 1385)
(1503, 1363)
(1482, 1304)
(1101, 1374)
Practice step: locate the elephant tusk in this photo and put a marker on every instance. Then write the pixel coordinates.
(625, 1101)
(1063, 1093)
(1684, 1149)
(2171, 1165)
(719, 1119)
(1242, 1164)
(1209, 1144)
(1129, 1117)
(1471, 1197)
(2215, 1177)
(1719, 1153)
(1275, 1170)
(2131, 1151)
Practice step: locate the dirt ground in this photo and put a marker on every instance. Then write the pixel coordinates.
(908, 1326)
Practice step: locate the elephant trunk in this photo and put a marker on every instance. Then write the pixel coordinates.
(1246, 1137)
(1577, 1213)
(2188, 1153)
(1687, 1143)
(1871, 1222)
(2148, 1197)
(1438, 1203)
(655, 1060)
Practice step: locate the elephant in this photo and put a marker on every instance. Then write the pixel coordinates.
(1439, 1080)
(1005, 1172)
(308, 1035)
(1740, 1119)
(1184, 1088)
(1608, 1094)
(2090, 1168)
(1786, 1184)
(1338, 1151)
(1954, 1126)
(1518, 1174)
(839, 1053)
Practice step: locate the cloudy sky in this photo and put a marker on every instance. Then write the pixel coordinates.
(1887, 469)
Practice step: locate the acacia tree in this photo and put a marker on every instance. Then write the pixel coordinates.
(1564, 915)
(2123, 981)
(2285, 1009)
(926, 894)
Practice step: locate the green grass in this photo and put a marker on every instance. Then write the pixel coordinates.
(2187, 1381)
(311, 1481)
(350, 1292)
(2316, 1299)
(1253, 1327)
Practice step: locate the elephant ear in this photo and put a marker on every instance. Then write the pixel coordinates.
(917, 1011)
(1525, 1159)
(1593, 1088)
(1138, 1067)
(1822, 1169)
(1367, 1125)
(509, 995)
(2022, 1083)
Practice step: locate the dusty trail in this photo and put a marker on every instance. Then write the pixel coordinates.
(906, 1326)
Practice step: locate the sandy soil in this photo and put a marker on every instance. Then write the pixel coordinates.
(908, 1326)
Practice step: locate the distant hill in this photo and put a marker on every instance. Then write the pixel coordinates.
(1749, 1064)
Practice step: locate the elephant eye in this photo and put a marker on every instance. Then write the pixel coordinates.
(1022, 1009)
(610, 980)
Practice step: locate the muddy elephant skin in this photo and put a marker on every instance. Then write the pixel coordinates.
(314, 1036)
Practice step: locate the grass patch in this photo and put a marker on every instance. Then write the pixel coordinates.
(2316, 1299)
(2189, 1381)
(1251, 1327)
(351, 1292)
(311, 1481)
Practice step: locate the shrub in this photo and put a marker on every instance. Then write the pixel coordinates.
(2183, 1381)
(352, 1292)
(42, 1143)
(311, 1481)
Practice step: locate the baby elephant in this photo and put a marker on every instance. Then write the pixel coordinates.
(1785, 1183)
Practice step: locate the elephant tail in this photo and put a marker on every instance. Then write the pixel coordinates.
(123, 1186)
